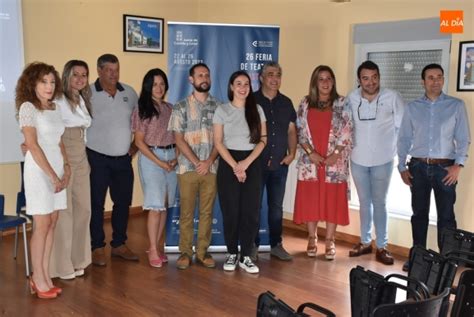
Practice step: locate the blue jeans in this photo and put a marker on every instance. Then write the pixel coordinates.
(275, 182)
(158, 185)
(426, 178)
(116, 175)
(372, 186)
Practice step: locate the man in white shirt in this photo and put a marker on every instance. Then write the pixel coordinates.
(377, 114)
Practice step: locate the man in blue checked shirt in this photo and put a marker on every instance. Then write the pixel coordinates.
(435, 133)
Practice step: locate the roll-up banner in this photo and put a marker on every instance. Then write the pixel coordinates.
(225, 48)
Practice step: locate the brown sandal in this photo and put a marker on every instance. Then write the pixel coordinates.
(330, 249)
(312, 247)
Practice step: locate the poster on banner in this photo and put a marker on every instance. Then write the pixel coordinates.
(225, 48)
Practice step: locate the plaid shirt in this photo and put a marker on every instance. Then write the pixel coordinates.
(194, 120)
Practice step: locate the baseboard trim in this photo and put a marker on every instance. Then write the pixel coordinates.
(345, 237)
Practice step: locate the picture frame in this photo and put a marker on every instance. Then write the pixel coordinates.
(466, 66)
(142, 34)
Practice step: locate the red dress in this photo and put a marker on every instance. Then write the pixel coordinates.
(318, 200)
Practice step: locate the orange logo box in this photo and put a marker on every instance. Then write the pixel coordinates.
(451, 21)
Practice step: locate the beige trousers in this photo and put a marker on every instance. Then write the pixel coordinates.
(72, 246)
(191, 184)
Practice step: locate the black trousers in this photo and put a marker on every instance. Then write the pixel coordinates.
(240, 203)
(114, 174)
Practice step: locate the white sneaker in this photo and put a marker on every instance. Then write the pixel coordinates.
(248, 265)
(78, 273)
(230, 263)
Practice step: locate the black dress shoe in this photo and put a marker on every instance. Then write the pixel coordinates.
(406, 266)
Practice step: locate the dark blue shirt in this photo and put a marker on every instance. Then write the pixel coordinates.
(279, 113)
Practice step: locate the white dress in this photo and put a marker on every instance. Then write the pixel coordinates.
(39, 190)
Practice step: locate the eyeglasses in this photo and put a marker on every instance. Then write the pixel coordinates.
(367, 113)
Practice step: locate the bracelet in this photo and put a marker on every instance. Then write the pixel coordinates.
(308, 151)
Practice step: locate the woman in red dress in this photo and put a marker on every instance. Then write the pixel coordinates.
(324, 135)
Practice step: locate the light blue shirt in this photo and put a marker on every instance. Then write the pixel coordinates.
(376, 125)
(434, 129)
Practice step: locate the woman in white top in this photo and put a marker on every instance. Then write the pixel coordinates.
(71, 252)
(47, 172)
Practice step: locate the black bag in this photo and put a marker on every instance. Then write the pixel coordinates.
(269, 306)
(457, 240)
(434, 270)
(370, 289)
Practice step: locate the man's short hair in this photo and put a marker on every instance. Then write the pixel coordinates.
(191, 70)
(367, 65)
(268, 65)
(431, 66)
(106, 58)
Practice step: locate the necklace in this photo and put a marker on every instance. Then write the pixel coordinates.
(322, 104)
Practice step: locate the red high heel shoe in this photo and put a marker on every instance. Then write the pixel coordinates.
(57, 290)
(49, 294)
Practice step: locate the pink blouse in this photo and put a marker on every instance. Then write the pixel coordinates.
(155, 129)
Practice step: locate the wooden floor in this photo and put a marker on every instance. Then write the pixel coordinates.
(135, 289)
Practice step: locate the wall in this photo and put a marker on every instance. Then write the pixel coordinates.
(312, 32)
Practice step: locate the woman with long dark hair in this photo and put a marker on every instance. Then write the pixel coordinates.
(71, 252)
(239, 137)
(157, 158)
(47, 170)
(325, 138)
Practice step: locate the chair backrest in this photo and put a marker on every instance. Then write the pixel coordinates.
(20, 203)
(463, 306)
(433, 306)
(2, 205)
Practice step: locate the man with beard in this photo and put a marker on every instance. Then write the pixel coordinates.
(191, 122)
(376, 114)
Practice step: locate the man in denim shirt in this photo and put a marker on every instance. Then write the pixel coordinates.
(435, 133)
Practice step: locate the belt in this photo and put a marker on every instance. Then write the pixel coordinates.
(433, 161)
(166, 147)
(108, 156)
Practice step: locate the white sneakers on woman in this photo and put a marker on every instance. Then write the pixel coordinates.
(230, 264)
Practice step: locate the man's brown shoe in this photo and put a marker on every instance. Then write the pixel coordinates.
(98, 257)
(360, 249)
(207, 261)
(125, 253)
(383, 256)
(183, 261)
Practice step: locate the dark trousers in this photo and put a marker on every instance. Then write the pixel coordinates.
(426, 178)
(240, 203)
(115, 174)
(275, 182)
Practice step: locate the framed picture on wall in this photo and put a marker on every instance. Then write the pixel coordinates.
(142, 34)
(466, 66)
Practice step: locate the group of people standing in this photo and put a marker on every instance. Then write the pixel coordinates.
(70, 126)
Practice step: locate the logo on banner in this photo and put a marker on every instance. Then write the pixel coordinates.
(262, 43)
(451, 21)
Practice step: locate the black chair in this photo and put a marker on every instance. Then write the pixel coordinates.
(7, 222)
(463, 305)
(431, 307)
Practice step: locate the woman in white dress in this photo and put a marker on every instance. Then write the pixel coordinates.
(71, 252)
(47, 170)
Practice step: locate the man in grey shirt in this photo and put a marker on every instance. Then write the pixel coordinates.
(110, 152)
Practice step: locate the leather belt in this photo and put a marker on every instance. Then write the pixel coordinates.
(433, 161)
(166, 147)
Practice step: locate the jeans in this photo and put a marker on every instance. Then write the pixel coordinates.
(372, 186)
(275, 183)
(158, 185)
(115, 174)
(426, 178)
